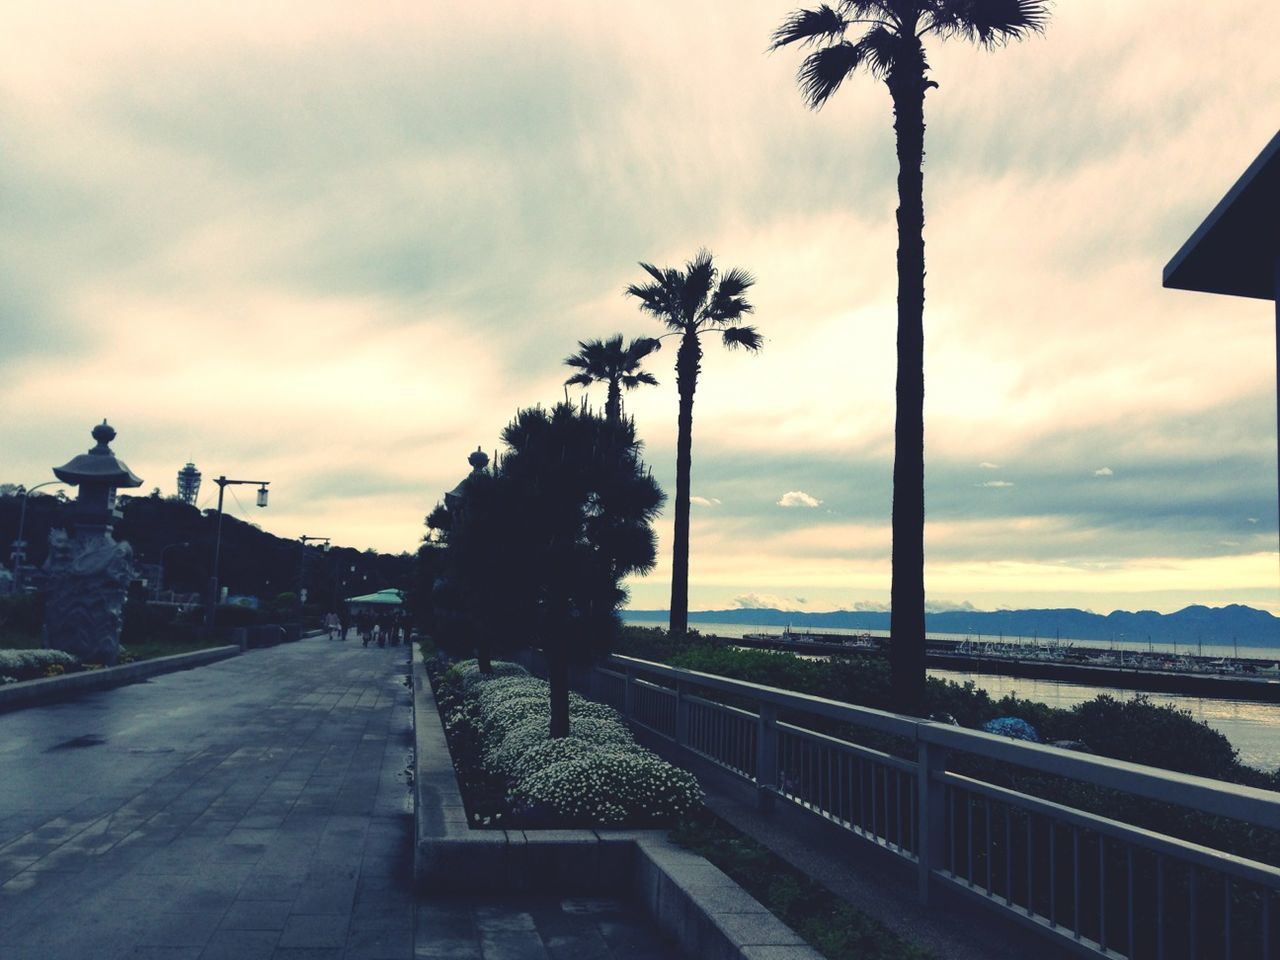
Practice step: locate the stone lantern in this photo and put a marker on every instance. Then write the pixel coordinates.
(88, 573)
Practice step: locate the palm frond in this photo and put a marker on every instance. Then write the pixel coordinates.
(989, 23)
(641, 347)
(652, 296)
(580, 380)
(699, 275)
(809, 26)
(880, 50)
(634, 380)
(734, 282)
(746, 337)
(822, 71)
(653, 271)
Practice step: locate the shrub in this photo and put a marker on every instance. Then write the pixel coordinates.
(31, 664)
(609, 786)
(596, 775)
(1139, 731)
(503, 755)
(21, 615)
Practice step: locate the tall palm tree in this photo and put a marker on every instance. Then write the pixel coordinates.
(691, 302)
(607, 361)
(891, 48)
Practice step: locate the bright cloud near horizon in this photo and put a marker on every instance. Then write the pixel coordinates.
(338, 247)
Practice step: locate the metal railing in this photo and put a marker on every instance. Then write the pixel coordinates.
(932, 794)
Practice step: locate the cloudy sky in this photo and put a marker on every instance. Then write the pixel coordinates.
(336, 246)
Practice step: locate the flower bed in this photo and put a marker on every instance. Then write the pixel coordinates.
(514, 775)
(19, 665)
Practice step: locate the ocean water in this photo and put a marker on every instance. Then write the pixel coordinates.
(1249, 651)
(1252, 728)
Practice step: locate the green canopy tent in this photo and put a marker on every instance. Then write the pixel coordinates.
(376, 602)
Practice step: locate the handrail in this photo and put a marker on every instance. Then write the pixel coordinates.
(788, 699)
(1237, 802)
(1111, 876)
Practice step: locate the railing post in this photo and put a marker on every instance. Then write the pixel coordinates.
(629, 694)
(766, 756)
(931, 816)
(682, 714)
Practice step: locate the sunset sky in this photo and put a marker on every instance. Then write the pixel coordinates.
(336, 246)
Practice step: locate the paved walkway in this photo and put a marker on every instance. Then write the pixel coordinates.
(255, 808)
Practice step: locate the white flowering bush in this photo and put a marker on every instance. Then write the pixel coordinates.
(503, 756)
(30, 664)
(597, 775)
(609, 786)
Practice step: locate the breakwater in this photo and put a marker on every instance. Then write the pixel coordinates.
(946, 655)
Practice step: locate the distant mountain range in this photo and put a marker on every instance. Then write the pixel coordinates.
(1220, 625)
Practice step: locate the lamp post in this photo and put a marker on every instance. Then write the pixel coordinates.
(223, 483)
(302, 567)
(18, 555)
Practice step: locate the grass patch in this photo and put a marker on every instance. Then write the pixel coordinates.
(832, 926)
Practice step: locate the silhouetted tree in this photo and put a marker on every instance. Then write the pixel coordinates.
(580, 506)
(691, 302)
(891, 48)
(607, 361)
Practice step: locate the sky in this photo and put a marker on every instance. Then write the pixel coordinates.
(337, 246)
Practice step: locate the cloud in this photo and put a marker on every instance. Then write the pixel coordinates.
(760, 601)
(798, 498)
(705, 501)
(997, 483)
(988, 465)
(869, 606)
(949, 606)
(1104, 472)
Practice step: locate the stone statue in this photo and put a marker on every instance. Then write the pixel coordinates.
(88, 575)
(84, 595)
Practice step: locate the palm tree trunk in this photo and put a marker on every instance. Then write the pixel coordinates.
(906, 623)
(613, 404)
(688, 364)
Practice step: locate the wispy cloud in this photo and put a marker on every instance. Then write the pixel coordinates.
(344, 254)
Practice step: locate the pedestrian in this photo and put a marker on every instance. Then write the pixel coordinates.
(344, 623)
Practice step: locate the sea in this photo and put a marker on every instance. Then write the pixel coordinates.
(1252, 728)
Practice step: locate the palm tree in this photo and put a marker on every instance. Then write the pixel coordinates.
(891, 48)
(606, 361)
(691, 302)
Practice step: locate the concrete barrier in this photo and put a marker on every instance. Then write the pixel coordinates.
(32, 693)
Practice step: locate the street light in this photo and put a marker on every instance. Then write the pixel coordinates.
(223, 483)
(18, 556)
(302, 566)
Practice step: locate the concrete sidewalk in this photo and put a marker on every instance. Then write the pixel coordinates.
(255, 808)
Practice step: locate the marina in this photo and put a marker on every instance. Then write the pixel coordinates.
(1249, 677)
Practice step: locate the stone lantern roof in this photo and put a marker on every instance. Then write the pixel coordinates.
(99, 466)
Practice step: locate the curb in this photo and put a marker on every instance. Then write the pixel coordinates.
(32, 693)
(688, 898)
